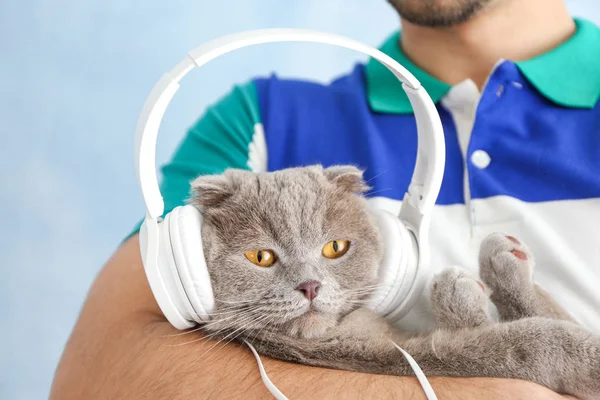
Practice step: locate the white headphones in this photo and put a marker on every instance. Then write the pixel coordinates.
(172, 250)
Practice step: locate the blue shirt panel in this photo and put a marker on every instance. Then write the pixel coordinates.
(539, 151)
(308, 123)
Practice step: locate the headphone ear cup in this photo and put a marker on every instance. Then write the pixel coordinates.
(398, 266)
(185, 229)
(162, 275)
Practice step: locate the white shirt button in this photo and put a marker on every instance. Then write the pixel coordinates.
(480, 159)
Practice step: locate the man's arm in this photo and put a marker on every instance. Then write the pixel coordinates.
(123, 348)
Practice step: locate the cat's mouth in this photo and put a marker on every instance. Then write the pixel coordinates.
(314, 308)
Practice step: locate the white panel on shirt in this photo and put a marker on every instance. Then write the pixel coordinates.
(257, 150)
(567, 251)
(564, 235)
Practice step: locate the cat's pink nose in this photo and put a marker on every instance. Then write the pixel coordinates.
(310, 289)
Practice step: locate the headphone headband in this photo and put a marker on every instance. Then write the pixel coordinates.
(427, 176)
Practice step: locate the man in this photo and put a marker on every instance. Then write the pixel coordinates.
(516, 84)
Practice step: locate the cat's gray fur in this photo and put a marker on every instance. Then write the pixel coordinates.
(295, 212)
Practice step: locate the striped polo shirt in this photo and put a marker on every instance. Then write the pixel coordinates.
(522, 154)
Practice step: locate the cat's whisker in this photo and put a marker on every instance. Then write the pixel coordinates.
(236, 302)
(234, 311)
(237, 309)
(230, 309)
(361, 294)
(379, 191)
(376, 176)
(358, 300)
(187, 332)
(207, 335)
(365, 290)
(258, 302)
(204, 337)
(242, 319)
(263, 320)
(239, 317)
(369, 291)
(240, 302)
(364, 296)
(211, 336)
(265, 323)
(264, 326)
(373, 285)
(243, 327)
(241, 305)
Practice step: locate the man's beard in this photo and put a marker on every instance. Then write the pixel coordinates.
(438, 13)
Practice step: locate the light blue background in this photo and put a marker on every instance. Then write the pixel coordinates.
(73, 78)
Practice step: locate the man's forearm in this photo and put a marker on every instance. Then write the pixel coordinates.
(123, 348)
(152, 365)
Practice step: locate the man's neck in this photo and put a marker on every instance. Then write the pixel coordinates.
(508, 29)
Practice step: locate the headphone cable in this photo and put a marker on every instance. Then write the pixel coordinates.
(423, 381)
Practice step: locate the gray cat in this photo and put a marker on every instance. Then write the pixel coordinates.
(293, 255)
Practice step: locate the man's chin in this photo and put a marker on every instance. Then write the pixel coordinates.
(311, 325)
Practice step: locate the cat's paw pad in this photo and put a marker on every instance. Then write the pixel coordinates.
(505, 264)
(459, 300)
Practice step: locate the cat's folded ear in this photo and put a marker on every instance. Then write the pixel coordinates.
(211, 190)
(347, 177)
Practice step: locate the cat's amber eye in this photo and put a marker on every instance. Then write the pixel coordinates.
(336, 248)
(262, 258)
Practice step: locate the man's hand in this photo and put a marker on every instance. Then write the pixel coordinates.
(123, 348)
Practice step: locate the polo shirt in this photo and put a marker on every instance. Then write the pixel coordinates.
(522, 155)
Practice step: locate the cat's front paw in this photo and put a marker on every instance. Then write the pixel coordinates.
(458, 299)
(506, 267)
(505, 263)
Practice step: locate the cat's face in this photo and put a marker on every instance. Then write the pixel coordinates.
(316, 228)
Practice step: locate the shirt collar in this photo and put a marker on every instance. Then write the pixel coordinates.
(568, 75)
